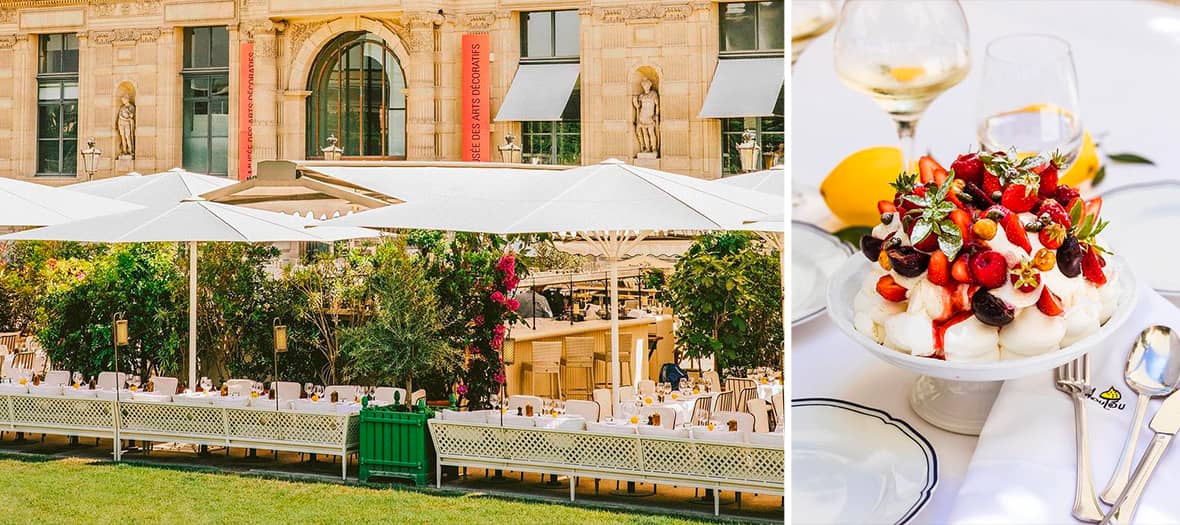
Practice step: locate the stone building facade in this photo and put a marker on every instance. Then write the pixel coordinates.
(205, 80)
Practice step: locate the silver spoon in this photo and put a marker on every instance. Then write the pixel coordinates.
(1153, 370)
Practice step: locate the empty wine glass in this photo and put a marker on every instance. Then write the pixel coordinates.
(309, 389)
(206, 384)
(903, 54)
(77, 379)
(1029, 98)
(809, 20)
(319, 391)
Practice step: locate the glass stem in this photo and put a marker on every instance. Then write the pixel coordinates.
(905, 136)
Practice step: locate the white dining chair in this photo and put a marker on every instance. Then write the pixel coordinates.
(287, 390)
(386, 394)
(241, 387)
(667, 415)
(745, 422)
(6, 368)
(712, 379)
(646, 387)
(56, 377)
(108, 381)
(39, 361)
(343, 392)
(626, 394)
(761, 412)
(602, 397)
(164, 385)
(520, 401)
(588, 410)
(777, 401)
(416, 395)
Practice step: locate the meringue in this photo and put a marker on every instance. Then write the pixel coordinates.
(1032, 333)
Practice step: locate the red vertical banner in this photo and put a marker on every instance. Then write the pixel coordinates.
(477, 117)
(246, 111)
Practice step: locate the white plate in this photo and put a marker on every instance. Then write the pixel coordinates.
(1137, 215)
(815, 254)
(855, 464)
(849, 277)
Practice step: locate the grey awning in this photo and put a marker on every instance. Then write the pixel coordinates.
(539, 92)
(744, 87)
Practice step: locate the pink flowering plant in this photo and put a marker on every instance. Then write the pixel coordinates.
(477, 276)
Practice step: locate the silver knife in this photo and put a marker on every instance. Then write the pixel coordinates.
(1165, 424)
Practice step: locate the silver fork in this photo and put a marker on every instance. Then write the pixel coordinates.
(1073, 378)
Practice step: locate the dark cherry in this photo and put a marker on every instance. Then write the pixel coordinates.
(1069, 256)
(991, 310)
(871, 247)
(907, 261)
(979, 198)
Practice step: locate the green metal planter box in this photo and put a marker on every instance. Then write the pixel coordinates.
(395, 444)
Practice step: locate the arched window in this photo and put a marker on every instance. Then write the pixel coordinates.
(357, 94)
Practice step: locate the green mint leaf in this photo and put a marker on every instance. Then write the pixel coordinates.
(1075, 213)
(1099, 177)
(922, 229)
(1129, 158)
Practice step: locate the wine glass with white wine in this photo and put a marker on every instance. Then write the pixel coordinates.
(903, 54)
(1028, 99)
(809, 20)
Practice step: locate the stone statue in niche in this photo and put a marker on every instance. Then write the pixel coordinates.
(125, 125)
(647, 119)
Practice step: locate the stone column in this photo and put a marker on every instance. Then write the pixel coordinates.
(421, 118)
(25, 105)
(266, 55)
(294, 123)
(170, 102)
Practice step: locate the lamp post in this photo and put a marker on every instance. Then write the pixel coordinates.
(280, 333)
(510, 150)
(119, 338)
(90, 157)
(748, 151)
(332, 152)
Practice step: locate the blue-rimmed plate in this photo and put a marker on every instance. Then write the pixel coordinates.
(815, 255)
(855, 464)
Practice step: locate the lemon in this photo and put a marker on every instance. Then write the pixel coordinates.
(1086, 165)
(854, 186)
(906, 74)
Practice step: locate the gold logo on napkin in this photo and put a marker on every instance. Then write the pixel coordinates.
(1111, 394)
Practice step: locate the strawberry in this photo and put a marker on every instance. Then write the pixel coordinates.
(988, 269)
(1019, 198)
(1065, 195)
(939, 271)
(991, 184)
(962, 219)
(1049, 304)
(926, 168)
(1025, 277)
(1052, 236)
(968, 168)
(959, 270)
(885, 207)
(1092, 265)
(1056, 212)
(890, 290)
(1013, 230)
(1048, 178)
(905, 205)
(929, 244)
(1093, 207)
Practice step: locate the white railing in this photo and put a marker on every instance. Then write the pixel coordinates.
(682, 462)
(286, 430)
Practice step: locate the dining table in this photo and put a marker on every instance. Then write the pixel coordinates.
(1112, 43)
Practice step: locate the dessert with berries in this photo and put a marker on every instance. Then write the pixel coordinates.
(989, 260)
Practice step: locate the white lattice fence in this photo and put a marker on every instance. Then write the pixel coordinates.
(723, 466)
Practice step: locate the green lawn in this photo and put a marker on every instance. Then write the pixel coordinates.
(83, 491)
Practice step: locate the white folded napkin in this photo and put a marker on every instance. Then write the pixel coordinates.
(1023, 469)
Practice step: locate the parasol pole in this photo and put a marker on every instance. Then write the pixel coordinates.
(192, 315)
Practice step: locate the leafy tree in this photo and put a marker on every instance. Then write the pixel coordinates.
(331, 294)
(142, 281)
(727, 292)
(23, 278)
(404, 335)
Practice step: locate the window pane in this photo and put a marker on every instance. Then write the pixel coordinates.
(737, 26)
(48, 125)
(69, 120)
(69, 53)
(219, 118)
(195, 152)
(69, 160)
(538, 34)
(49, 91)
(356, 88)
(397, 132)
(573, 106)
(199, 49)
(219, 37)
(199, 120)
(566, 32)
(70, 90)
(219, 156)
(47, 157)
(770, 25)
(196, 87)
(219, 85)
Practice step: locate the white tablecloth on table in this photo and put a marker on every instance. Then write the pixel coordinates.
(324, 407)
(80, 392)
(13, 388)
(45, 390)
(151, 397)
(769, 390)
(1023, 467)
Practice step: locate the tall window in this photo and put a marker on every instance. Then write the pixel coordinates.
(768, 132)
(206, 100)
(552, 36)
(357, 94)
(752, 27)
(57, 105)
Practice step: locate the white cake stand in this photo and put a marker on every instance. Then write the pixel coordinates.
(954, 395)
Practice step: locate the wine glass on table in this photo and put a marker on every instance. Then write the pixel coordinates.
(903, 54)
(309, 389)
(1028, 98)
(319, 392)
(809, 20)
